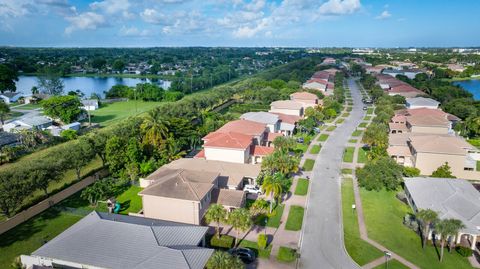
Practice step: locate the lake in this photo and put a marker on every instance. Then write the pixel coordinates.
(472, 86)
(88, 85)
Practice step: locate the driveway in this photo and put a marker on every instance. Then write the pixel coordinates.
(322, 244)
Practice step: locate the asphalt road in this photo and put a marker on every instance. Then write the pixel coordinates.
(322, 244)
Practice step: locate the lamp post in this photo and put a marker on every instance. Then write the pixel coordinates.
(388, 255)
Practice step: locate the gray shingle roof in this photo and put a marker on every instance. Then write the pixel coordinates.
(422, 101)
(451, 198)
(118, 241)
(262, 117)
(35, 120)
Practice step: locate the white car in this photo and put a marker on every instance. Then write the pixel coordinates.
(253, 189)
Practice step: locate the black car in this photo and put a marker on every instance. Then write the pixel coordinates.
(245, 254)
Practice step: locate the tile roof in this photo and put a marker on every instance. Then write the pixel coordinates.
(272, 136)
(321, 81)
(180, 184)
(399, 151)
(247, 127)
(452, 145)
(292, 119)
(227, 140)
(404, 88)
(303, 96)
(422, 101)
(119, 241)
(226, 197)
(261, 150)
(321, 75)
(428, 120)
(427, 111)
(397, 126)
(286, 104)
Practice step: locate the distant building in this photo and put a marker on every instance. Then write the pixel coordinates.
(10, 97)
(90, 105)
(305, 98)
(421, 102)
(28, 123)
(288, 107)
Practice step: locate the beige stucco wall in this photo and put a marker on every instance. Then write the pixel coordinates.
(171, 209)
(294, 112)
(429, 130)
(429, 162)
(315, 86)
(227, 155)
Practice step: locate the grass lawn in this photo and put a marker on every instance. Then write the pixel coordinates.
(345, 115)
(323, 137)
(339, 121)
(302, 186)
(295, 218)
(392, 264)
(308, 165)
(360, 251)
(362, 155)
(363, 125)
(348, 154)
(331, 128)
(261, 253)
(474, 142)
(478, 165)
(29, 106)
(130, 200)
(357, 133)
(370, 110)
(301, 147)
(315, 149)
(274, 221)
(286, 254)
(349, 109)
(347, 171)
(367, 118)
(384, 216)
(353, 141)
(111, 113)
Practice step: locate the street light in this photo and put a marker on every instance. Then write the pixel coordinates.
(388, 255)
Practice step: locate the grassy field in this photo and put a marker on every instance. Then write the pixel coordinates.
(295, 218)
(370, 110)
(360, 251)
(331, 128)
(367, 118)
(384, 216)
(340, 121)
(302, 186)
(345, 115)
(347, 171)
(29, 106)
(392, 264)
(286, 254)
(274, 221)
(261, 253)
(111, 113)
(353, 141)
(357, 133)
(474, 142)
(363, 125)
(323, 137)
(349, 109)
(348, 154)
(362, 155)
(301, 147)
(308, 165)
(130, 200)
(315, 149)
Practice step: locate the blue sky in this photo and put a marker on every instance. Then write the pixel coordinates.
(304, 23)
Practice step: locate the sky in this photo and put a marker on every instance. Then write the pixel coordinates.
(240, 23)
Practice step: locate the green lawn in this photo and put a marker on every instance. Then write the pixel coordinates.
(261, 253)
(111, 113)
(348, 154)
(345, 115)
(295, 218)
(367, 118)
(384, 216)
(353, 141)
(370, 110)
(347, 171)
(302, 186)
(357, 133)
(301, 147)
(349, 109)
(331, 128)
(360, 251)
(29, 106)
(392, 264)
(362, 155)
(315, 149)
(478, 165)
(308, 165)
(286, 254)
(323, 137)
(274, 219)
(340, 121)
(130, 200)
(363, 125)
(474, 142)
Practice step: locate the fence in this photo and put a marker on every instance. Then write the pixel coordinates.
(49, 202)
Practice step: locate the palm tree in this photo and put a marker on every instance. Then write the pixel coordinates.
(446, 229)
(155, 128)
(240, 220)
(174, 150)
(426, 217)
(223, 260)
(284, 143)
(216, 213)
(455, 227)
(281, 161)
(272, 186)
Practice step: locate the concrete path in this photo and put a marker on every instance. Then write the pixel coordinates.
(322, 243)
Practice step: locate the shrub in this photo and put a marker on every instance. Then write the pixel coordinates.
(411, 222)
(401, 196)
(225, 241)
(464, 251)
(262, 241)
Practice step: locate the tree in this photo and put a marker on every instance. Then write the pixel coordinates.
(115, 155)
(425, 218)
(69, 134)
(98, 142)
(80, 157)
(411, 171)
(259, 207)
(4, 110)
(240, 220)
(13, 190)
(50, 84)
(99, 190)
(35, 90)
(66, 108)
(118, 65)
(155, 128)
(216, 213)
(376, 135)
(280, 161)
(381, 173)
(284, 143)
(443, 171)
(98, 63)
(224, 260)
(273, 187)
(447, 228)
(8, 77)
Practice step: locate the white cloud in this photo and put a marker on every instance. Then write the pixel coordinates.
(255, 5)
(133, 31)
(14, 8)
(112, 7)
(154, 17)
(85, 21)
(248, 32)
(384, 15)
(339, 7)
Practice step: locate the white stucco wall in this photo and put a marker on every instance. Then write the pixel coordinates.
(227, 155)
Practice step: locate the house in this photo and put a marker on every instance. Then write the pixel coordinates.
(28, 123)
(90, 105)
(316, 84)
(305, 98)
(184, 195)
(255, 129)
(404, 90)
(57, 130)
(329, 60)
(450, 198)
(323, 75)
(456, 67)
(10, 97)
(288, 123)
(423, 120)
(103, 240)
(271, 120)
(374, 69)
(229, 147)
(288, 107)
(421, 102)
(427, 152)
(8, 139)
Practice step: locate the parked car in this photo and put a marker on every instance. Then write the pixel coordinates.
(245, 254)
(300, 140)
(365, 108)
(316, 130)
(253, 189)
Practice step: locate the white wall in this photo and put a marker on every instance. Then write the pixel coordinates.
(227, 155)
(294, 112)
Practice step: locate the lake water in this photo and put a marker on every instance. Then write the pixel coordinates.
(88, 85)
(472, 86)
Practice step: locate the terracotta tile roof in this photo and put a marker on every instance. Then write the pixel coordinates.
(292, 119)
(397, 126)
(226, 197)
(200, 154)
(332, 71)
(399, 151)
(261, 150)
(399, 118)
(427, 111)
(321, 75)
(227, 140)
(303, 96)
(243, 127)
(453, 145)
(321, 81)
(403, 88)
(272, 136)
(286, 104)
(428, 120)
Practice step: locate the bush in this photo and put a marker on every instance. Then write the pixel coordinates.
(464, 251)
(225, 241)
(402, 197)
(262, 241)
(411, 222)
